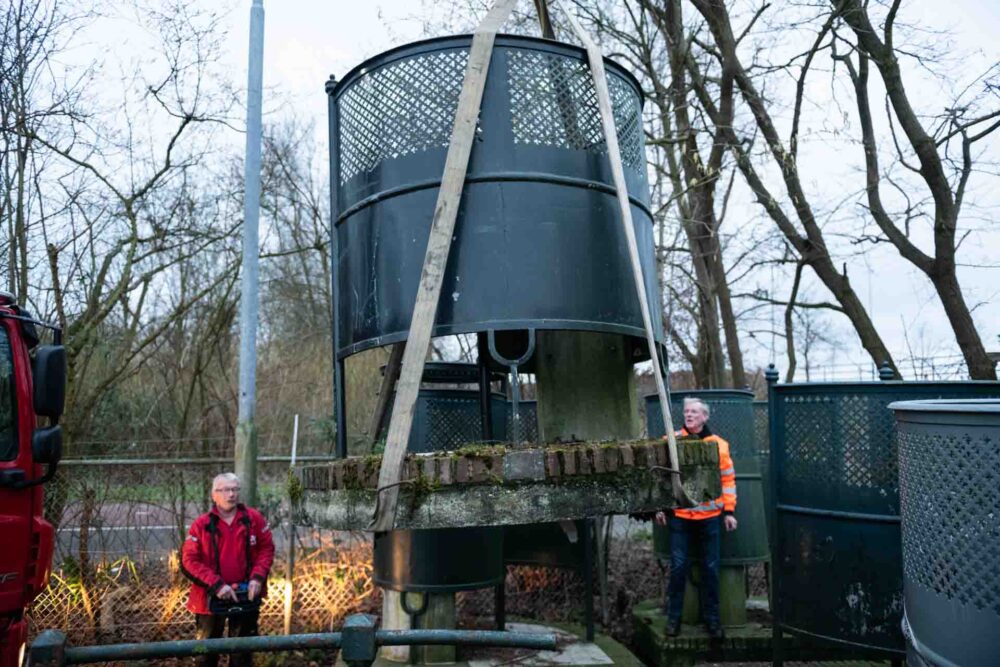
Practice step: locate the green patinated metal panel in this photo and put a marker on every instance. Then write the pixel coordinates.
(949, 466)
(837, 571)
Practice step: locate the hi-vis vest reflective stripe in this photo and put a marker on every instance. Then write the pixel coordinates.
(727, 501)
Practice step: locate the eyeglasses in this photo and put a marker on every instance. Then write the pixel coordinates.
(228, 489)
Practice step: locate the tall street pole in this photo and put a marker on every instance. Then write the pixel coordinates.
(246, 431)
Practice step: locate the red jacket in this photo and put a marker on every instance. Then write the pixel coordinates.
(216, 553)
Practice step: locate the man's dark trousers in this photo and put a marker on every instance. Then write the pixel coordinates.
(210, 626)
(684, 533)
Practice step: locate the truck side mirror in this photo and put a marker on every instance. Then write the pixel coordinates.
(49, 371)
(46, 445)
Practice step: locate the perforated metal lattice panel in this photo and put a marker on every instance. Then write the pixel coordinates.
(948, 487)
(847, 439)
(453, 422)
(401, 108)
(554, 103)
(762, 433)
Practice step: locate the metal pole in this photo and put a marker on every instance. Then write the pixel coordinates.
(290, 579)
(339, 398)
(246, 431)
(774, 595)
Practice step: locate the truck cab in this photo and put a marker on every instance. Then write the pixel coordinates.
(32, 393)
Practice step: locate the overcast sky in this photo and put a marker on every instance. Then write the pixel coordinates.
(307, 41)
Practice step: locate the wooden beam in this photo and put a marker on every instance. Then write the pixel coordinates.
(385, 391)
(436, 261)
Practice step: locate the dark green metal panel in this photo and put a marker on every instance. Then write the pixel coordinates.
(732, 418)
(447, 419)
(763, 436)
(949, 469)
(837, 571)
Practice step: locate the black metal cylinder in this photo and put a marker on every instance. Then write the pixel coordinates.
(949, 469)
(538, 242)
(439, 561)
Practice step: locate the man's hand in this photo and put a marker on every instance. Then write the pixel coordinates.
(660, 518)
(253, 588)
(226, 592)
(729, 521)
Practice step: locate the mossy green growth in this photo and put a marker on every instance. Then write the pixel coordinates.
(479, 451)
(294, 488)
(420, 488)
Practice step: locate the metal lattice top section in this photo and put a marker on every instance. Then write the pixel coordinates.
(406, 105)
(554, 103)
(403, 107)
(453, 422)
(948, 486)
(836, 443)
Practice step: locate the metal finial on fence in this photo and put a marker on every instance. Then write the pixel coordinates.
(885, 372)
(771, 374)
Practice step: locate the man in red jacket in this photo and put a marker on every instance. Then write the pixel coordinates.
(227, 555)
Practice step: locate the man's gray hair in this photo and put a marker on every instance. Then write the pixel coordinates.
(224, 477)
(690, 400)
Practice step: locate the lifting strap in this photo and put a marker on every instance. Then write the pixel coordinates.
(435, 262)
(596, 60)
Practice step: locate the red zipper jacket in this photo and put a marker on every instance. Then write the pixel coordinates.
(216, 553)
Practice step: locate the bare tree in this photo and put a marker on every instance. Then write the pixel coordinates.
(807, 237)
(943, 175)
(120, 211)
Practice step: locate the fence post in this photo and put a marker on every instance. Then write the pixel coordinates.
(292, 503)
(358, 640)
(48, 650)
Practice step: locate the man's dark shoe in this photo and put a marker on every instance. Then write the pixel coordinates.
(715, 631)
(673, 627)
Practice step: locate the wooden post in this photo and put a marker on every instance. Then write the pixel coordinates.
(436, 611)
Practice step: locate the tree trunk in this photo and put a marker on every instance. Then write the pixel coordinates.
(981, 367)
(811, 246)
(739, 379)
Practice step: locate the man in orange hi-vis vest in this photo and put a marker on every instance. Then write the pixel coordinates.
(702, 523)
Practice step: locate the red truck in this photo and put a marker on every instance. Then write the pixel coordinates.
(32, 386)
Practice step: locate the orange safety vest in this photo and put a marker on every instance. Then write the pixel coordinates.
(727, 501)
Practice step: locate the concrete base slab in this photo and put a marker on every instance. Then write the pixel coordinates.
(748, 643)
